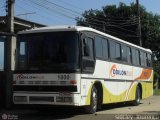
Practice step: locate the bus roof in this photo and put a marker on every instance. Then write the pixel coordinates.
(78, 28)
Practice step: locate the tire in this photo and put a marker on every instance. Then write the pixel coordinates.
(137, 97)
(92, 108)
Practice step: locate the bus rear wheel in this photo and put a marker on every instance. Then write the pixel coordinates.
(137, 97)
(92, 108)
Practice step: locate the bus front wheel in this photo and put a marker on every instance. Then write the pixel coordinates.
(92, 108)
(137, 97)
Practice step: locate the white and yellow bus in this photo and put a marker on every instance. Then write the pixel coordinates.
(79, 66)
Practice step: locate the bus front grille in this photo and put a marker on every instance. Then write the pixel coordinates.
(41, 99)
(36, 88)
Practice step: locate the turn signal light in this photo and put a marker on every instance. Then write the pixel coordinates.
(73, 82)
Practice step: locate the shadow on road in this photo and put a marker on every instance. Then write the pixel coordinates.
(53, 113)
(43, 113)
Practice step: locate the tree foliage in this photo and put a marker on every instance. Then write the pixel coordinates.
(122, 21)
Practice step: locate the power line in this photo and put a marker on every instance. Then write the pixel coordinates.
(88, 22)
(63, 7)
(112, 21)
(111, 30)
(129, 20)
(73, 11)
(100, 21)
(69, 4)
(114, 31)
(47, 16)
(29, 13)
(117, 19)
(60, 9)
(122, 28)
(50, 8)
(108, 24)
(23, 7)
(89, 17)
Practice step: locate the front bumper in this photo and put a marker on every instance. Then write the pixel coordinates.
(47, 98)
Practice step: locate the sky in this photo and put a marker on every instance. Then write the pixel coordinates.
(64, 12)
(54, 12)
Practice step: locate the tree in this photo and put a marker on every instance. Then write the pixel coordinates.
(122, 21)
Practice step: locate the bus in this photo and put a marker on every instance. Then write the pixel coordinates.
(79, 66)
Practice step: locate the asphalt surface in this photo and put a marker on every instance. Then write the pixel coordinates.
(149, 109)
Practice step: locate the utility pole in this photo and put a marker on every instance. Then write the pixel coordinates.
(139, 23)
(8, 51)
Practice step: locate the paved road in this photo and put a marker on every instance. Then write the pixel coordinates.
(149, 105)
(149, 109)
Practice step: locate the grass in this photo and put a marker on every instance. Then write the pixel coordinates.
(157, 92)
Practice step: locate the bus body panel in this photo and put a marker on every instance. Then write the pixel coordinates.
(120, 86)
(119, 79)
(45, 96)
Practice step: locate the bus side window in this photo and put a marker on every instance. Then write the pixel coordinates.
(134, 56)
(129, 55)
(98, 47)
(115, 51)
(88, 47)
(124, 53)
(145, 59)
(101, 48)
(105, 48)
(137, 57)
(142, 58)
(88, 63)
(112, 48)
(118, 51)
(149, 60)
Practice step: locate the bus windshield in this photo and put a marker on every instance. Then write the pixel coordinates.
(48, 51)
